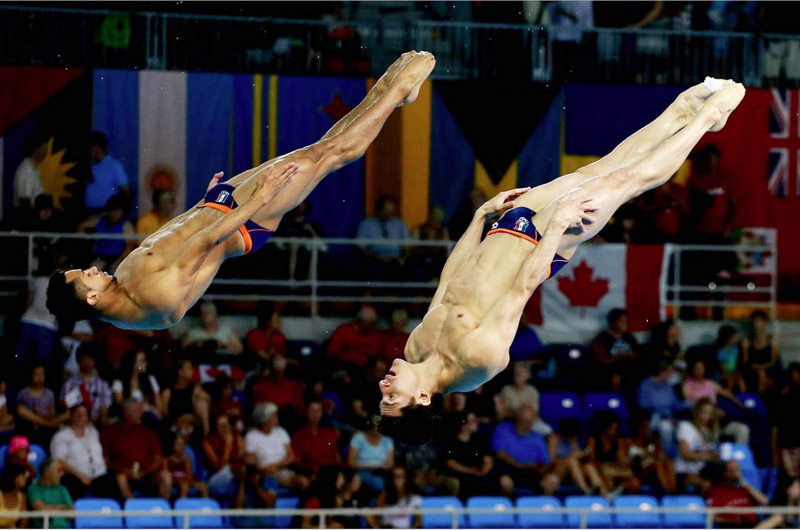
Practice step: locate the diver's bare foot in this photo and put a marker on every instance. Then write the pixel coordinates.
(726, 100)
(415, 72)
(391, 73)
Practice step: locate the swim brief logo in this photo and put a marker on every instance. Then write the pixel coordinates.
(223, 197)
(522, 224)
(495, 225)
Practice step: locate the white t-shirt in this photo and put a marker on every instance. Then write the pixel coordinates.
(403, 521)
(37, 313)
(118, 388)
(83, 453)
(688, 433)
(268, 448)
(222, 335)
(27, 182)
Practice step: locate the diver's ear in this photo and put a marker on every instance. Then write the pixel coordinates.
(423, 398)
(92, 298)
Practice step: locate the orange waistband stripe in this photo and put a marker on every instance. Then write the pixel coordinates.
(519, 235)
(248, 241)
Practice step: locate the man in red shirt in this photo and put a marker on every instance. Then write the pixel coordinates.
(316, 445)
(712, 205)
(733, 492)
(394, 340)
(133, 454)
(279, 389)
(355, 342)
(267, 339)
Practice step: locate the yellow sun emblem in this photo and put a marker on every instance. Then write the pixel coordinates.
(54, 175)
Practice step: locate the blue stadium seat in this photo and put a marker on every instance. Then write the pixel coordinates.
(441, 520)
(36, 456)
(286, 503)
(155, 506)
(557, 406)
(607, 401)
(747, 463)
(98, 505)
(684, 520)
(502, 518)
(593, 520)
(753, 403)
(199, 521)
(645, 517)
(197, 463)
(3, 455)
(302, 348)
(544, 518)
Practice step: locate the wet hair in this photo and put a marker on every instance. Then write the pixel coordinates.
(615, 315)
(416, 425)
(99, 139)
(67, 301)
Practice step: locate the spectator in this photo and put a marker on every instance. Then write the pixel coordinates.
(355, 342)
(372, 454)
(133, 454)
(252, 494)
(137, 383)
(665, 345)
(697, 445)
(649, 461)
(520, 392)
(712, 206)
(111, 252)
(760, 355)
(87, 387)
(731, 490)
(77, 446)
(108, 175)
(6, 418)
(360, 389)
(185, 403)
(228, 404)
(398, 494)
(383, 261)
(296, 224)
(49, 495)
(38, 326)
(352, 495)
(323, 493)
(276, 388)
(273, 448)
(394, 340)
(222, 448)
(267, 339)
(13, 482)
(698, 386)
(526, 344)
(728, 349)
(428, 261)
(522, 456)
(786, 435)
(657, 397)
(787, 495)
(315, 445)
(218, 337)
(19, 452)
(616, 350)
(27, 178)
(609, 454)
(36, 409)
(163, 211)
(568, 456)
(468, 459)
(179, 466)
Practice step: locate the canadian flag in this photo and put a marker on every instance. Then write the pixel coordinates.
(597, 279)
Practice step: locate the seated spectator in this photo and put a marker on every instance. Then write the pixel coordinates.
(383, 261)
(657, 397)
(136, 382)
(133, 454)
(728, 349)
(27, 177)
(267, 339)
(616, 351)
(315, 445)
(428, 261)
(276, 388)
(109, 253)
(787, 435)
(19, 452)
(698, 386)
(522, 457)
(213, 335)
(424, 465)
(222, 448)
(297, 224)
(731, 490)
(372, 454)
(163, 211)
(570, 458)
(609, 455)
(787, 495)
(520, 391)
(77, 446)
(665, 345)
(272, 447)
(355, 342)
(760, 355)
(399, 493)
(36, 410)
(253, 494)
(87, 386)
(468, 459)
(649, 461)
(49, 495)
(359, 389)
(108, 174)
(227, 403)
(179, 466)
(185, 403)
(395, 338)
(6, 418)
(698, 441)
(526, 344)
(333, 488)
(352, 495)
(38, 327)
(14, 481)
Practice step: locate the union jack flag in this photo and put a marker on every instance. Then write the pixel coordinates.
(784, 151)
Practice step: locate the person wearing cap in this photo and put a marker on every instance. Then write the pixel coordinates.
(19, 449)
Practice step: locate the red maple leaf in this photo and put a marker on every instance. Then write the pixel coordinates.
(337, 108)
(582, 290)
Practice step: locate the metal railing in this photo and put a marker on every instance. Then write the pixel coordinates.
(681, 285)
(455, 514)
(465, 50)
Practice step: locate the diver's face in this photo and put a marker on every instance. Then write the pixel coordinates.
(92, 279)
(397, 388)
